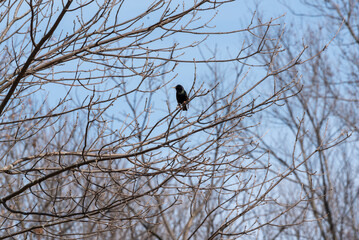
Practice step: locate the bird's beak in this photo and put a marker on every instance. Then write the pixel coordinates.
(173, 87)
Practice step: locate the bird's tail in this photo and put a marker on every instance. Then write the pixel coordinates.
(184, 107)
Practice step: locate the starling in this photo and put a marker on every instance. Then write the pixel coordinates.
(182, 97)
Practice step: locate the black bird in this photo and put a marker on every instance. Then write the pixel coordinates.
(181, 96)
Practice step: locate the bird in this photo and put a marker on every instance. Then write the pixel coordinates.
(181, 96)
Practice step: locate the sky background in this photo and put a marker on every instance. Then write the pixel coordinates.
(230, 16)
(234, 15)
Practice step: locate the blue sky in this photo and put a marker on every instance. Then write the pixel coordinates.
(234, 15)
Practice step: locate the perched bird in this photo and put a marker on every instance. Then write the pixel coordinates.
(181, 96)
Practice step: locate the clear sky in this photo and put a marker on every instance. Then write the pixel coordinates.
(234, 15)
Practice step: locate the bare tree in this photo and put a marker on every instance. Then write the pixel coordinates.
(328, 102)
(87, 150)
